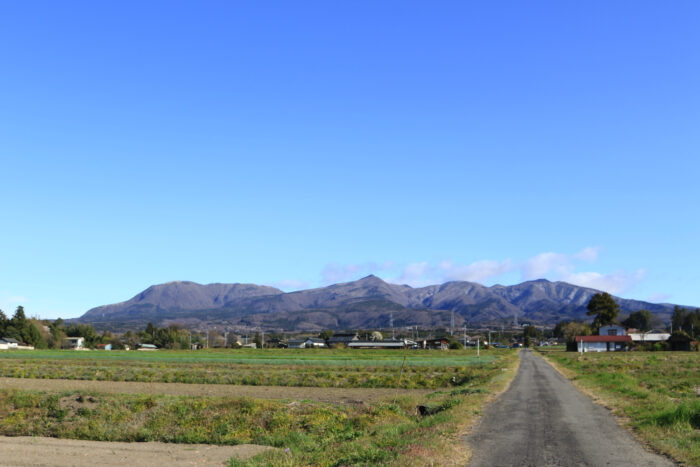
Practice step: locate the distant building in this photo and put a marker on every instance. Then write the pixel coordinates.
(342, 339)
(315, 342)
(9, 343)
(652, 336)
(602, 343)
(440, 344)
(307, 343)
(679, 341)
(383, 344)
(612, 330)
(73, 343)
(103, 346)
(147, 347)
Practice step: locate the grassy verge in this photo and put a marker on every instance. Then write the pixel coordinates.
(655, 393)
(390, 432)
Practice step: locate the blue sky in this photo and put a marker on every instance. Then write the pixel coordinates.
(302, 143)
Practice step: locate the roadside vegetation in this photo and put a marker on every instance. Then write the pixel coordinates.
(656, 393)
(420, 429)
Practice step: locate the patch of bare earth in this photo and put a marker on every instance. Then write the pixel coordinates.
(23, 451)
(333, 395)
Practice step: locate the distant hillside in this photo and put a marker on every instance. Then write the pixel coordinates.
(366, 303)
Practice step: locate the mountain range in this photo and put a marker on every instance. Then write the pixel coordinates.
(368, 303)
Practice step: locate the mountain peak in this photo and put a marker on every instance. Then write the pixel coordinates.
(371, 279)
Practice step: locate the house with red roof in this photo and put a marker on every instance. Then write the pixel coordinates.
(603, 343)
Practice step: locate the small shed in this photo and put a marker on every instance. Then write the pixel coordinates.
(680, 342)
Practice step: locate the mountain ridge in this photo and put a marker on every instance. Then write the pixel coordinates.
(369, 302)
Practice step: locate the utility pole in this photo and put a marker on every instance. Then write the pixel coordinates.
(262, 339)
(207, 338)
(226, 339)
(452, 323)
(478, 341)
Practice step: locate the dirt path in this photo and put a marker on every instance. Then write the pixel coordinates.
(543, 420)
(37, 451)
(334, 395)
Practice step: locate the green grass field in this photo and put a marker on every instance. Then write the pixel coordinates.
(657, 393)
(316, 368)
(388, 432)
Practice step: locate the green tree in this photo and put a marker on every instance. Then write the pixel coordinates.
(19, 320)
(605, 309)
(258, 341)
(641, 320)
(4, 322)
(325, 335)
(678, 317)
(33, 336)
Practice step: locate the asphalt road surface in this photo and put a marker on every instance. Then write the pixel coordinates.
(543, 420)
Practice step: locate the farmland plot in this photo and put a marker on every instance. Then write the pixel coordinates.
(418, 425)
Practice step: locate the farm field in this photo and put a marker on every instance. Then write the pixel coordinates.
(655, 393)
(382, 422)
(311, 368)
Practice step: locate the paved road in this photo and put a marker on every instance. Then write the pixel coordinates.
(543, 420)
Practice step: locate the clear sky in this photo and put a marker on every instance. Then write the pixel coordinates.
(302, 143)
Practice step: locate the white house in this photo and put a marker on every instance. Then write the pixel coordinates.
(73, 343)
(9, 343)
(612, 330)
(315, 342)
(602, 343)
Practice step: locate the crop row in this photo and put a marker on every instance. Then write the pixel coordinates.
(411, 377)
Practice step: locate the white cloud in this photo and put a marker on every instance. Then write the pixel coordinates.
(659, 298)
(477, 271)
(540, 265)
(589, 254)
(563, 267)
(548, 265)
(423, 273)
(614, 283)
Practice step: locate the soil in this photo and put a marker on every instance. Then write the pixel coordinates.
(333, 395)
(27, 451)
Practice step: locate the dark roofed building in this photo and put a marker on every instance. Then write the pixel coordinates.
(342, 339)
